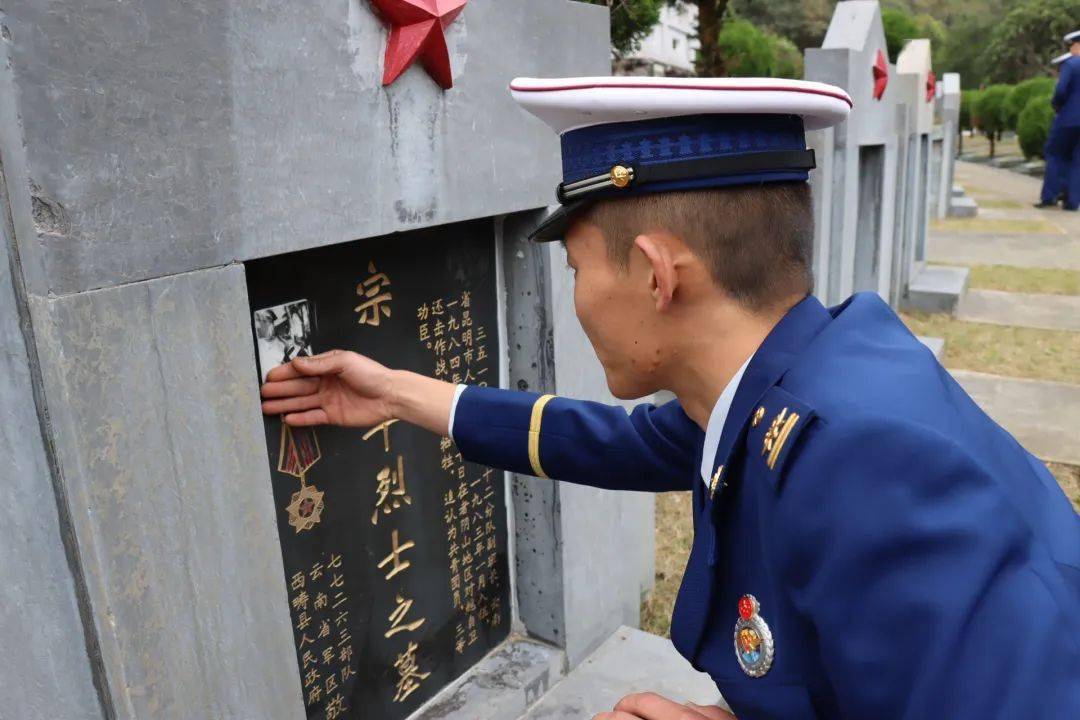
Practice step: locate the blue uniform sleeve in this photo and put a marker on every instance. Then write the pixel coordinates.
(651, 449)
(927, 590)
(1061, 90)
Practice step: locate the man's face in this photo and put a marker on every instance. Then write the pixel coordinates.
(616, 308)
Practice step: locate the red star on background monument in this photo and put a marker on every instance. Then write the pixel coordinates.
(417, 29)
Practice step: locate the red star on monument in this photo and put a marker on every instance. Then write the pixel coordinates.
(417, 30)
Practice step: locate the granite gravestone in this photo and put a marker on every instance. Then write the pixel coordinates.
(394, 548)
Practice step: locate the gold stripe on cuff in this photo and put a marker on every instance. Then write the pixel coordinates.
(534, 434)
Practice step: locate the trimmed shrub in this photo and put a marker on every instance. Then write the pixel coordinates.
(990, 112)
(746, 49)
(1022, 93)
(968, 98)
(1033, 125)
(788, 58)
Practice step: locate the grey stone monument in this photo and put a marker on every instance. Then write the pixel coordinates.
(856, 184)
(150, 150)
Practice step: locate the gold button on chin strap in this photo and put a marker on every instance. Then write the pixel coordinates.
(534, 434)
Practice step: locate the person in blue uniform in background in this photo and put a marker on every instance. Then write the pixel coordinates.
(1056, 175)
(1065, 135)
(867, 542)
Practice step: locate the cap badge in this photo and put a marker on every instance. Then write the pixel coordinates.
(621, 176)
(753, 640)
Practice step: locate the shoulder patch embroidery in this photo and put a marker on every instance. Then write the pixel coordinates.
(775, 427)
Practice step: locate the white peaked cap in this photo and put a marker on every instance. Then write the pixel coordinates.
(571, 103)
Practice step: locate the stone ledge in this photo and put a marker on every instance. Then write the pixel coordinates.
(936, 345)
(502, 686)
(963, 207)
(937, 289)
(629, 661)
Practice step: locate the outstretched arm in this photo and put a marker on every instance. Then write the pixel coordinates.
(589, 443)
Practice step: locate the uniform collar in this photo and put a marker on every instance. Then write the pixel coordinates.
(716, 422)
(773, 358)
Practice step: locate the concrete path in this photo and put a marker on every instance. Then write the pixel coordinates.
(629, 661)
(1043, 416)
(1051, 312)
(1008, 231)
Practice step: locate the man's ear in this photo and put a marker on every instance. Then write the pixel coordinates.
(662, 276)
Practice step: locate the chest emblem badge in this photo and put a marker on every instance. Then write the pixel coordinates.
(753, 640)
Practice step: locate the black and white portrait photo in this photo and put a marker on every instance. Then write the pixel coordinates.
(282, 332)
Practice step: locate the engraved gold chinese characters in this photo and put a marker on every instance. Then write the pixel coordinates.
(458, 346)
(320, 620)
(374, 299)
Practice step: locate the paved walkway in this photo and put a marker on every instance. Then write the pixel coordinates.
(1008, 230)
(1051, 312)
(1043, 416)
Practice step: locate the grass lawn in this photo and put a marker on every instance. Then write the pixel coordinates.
(1002, 349)
(1025, 280)
(997, 226)
(674, 533)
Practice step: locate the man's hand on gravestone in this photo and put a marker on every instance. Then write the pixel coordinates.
(346, 388)
(650, 706)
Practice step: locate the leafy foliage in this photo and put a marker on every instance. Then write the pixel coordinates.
(631, 21)
(1033, 124)
(746, 49)
(1028, 36)
(899, 28)
(1022, 93)
(965, 47)
(787, 58)
(968, 100)
(990, 112)
(804, 22)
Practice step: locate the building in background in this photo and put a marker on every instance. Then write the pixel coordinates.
(669, 50)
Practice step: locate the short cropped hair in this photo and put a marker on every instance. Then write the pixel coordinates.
(756, 241)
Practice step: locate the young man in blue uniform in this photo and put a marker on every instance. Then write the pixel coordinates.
(868, 543)
(1066, 130)
(1056, 176)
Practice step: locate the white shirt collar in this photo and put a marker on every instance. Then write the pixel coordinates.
(716, 423)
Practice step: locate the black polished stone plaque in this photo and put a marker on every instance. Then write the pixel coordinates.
(394, 548)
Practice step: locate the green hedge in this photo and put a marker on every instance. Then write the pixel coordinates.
(1033, 125)
(990, 109)
(1021, 94)
(968, 98)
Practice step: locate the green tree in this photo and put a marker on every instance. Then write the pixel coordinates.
(788, 60)
(964, 48)
(900, 27)
(1022, 93)
(710, 59)
(990, 112)
(968, 100)
(747, 51)
(631, 21)
(804, 22)
(1028, 36)
(926, 26)
(1033, 125)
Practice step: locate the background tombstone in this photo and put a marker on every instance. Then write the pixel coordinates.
(142, 164)
(914, 62)
(949, 117)
(855, 189)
